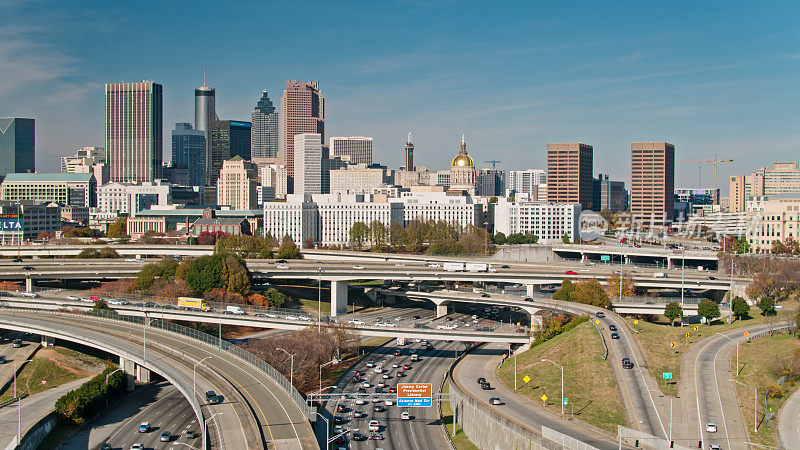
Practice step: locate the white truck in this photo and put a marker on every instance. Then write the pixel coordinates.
(477, 267)
(659, 275)
(453, 266)
(235, 310)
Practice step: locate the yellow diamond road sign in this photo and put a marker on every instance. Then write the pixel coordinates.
(635, 322)
(544, 398)
(526, 379)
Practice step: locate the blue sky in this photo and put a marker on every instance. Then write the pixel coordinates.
(707, 76)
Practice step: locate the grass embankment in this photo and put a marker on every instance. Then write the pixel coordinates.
(589, 382)
(54, 367)
(459, 438)
(655, 339)
(758, 365)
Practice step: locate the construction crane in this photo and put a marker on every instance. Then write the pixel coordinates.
(494, 163)
(715, 161)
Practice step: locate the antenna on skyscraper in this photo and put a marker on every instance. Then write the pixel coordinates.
(409, 138)
(204, 76)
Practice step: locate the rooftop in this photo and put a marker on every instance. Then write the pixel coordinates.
(53, 177)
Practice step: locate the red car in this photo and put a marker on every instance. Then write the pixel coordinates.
(359, 374)
(406, 367)
(392, 390)
(396, 353)
(571, 272)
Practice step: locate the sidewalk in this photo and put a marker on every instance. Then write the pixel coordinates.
(788, 418)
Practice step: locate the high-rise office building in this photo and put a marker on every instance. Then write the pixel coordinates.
(652, 183)
(17, 142)
(229, 138)
(308, 161)
(526, 181)
(302, 111)
(264, 137)
(408, 152)
(569, 174)
(205, 113)
(353, 149)
(134, 131)
(237, 184)
(189, 154)
(781, 178)
(491, 182)
(609, 194)
(85, 156)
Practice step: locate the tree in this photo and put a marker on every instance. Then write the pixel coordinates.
(473, 241)
(378, 233)
(628, 288)
(565, 239)
(767, 306)
(397, 234)
(288, 249)
(499, 238)
(606, 214)
(236, 277)
(247, 246)
(274, 298)
(492, 199)
(445, 247)
(161, 270)
(673, 311)
(740, 308)
(108, 252)
(44, 235)
(563, 293)
(118, 229)
(590, 292)
(359, 233)
(779, 248)
(205, 273)
(708, 309)
(89, 253)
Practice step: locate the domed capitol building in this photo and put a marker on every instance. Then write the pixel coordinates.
(462, 173)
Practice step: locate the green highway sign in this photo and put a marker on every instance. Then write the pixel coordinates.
(667, 375)
(605, 257)
(566, 401)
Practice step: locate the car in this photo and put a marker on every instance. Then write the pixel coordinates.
(626, 363)
(379, 408)
(400, 374)
(395, 365)
(30, 294)
(144, 427)
(612, 327)
(481, 380)
(358, 414)
(358, 267)
(375, 400)
(399, 265)
(338, 428)
(188, 434)
(405, 415)
(417, 317)
(374, 425)
(166, 436)
(486, 386)
(355, 379)
(282, 267)
(485, 295)
(305, 318)
(360, 401)
(73, 298)
(584, 270)
(291, 317)
(281, 261)
(338, 420)
(388, 402)
(570, 272)
(341, 408)
(370, 364)
(381, 384)
(356, 322)
(131, 260)
(376, 437)
(711, 427)
(406, 367)
(495, 401)
(527, 299)
(614, 336)
(358, 437)
(599, 314)
(17, 343)
(137, 446)
(359, 373)
(378, 369)
(713, 447)
(105, 446)
(505, 266)
(396, 353)
(365, 384)
(711, 277)
(28, 268)
(17, 259)
(212, 397)
(392, 390)
(2, 359)
(385, 376)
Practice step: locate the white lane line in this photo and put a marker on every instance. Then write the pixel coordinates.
(719, 395)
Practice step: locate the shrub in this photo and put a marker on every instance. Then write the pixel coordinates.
(77, 405)
(89, 253)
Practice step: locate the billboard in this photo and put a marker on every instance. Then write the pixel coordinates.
(10, 223)
(414, 394)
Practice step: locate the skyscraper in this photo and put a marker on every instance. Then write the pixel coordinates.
(237, 183)
(302, 111)
(353, 149)
(569, 174)
(409, 154)
(264, 137)
(229, 138)
(134, 136)
(308, 160)
(204, 113)
(189, 153)
(17, 145)
(652, 183)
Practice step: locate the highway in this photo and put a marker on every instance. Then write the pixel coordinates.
(254, 410)
(423, 430)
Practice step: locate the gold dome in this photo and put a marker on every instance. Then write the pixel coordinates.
(463, 160)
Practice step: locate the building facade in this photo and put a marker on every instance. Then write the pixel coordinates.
(569, 174)
(652, 183)
(17, 145)
(274, 176)
(114, 199)
(408, 155)
(134, 131)
(86, 156)
(25, 220)
(297, 218)
(462, 173)
(264, 138)
(781, 178)
(353, 149)
(359, 179)
(609, 194)
(237, 184)
(550, 222)
(308, 162)
(205, 112)
(69, 189)
(491, 182)
(229, 138)
(775, 220)
(459, 211)
(189, 154)
(338, 212)
(525, 181)
(302, 111)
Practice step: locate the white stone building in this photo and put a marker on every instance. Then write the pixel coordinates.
(548, 221)
(129, 198)
(308, 163)
(425, 206)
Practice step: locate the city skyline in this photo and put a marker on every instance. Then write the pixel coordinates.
(698, 87)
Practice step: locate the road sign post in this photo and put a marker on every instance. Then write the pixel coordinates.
(414, 394)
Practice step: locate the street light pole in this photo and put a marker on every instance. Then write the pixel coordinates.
(319, 299)
(486, 241)
(291, 369)
(194, 374)
(562, 382)
(19, 400)
(333, 361)
(327, 431)
(205, 426)
(755, 403)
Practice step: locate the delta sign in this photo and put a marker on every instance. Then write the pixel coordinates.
(10, 223)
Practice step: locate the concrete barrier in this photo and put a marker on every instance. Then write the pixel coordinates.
(36, 434)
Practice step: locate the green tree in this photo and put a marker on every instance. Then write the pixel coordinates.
(565, 239)
(237, 278)
(397, 235)
(378, 233)
(473, 241)
(767, 306)
(205, 273)
(108, 252)
(445, 247)
(274, 298)
(89, 253)
(492, 199)
(740, 308)
(590, 292)
(673, 311)
(499, 238)
(161, 270)
(247, 246)
(288, 249)
(563, 293)
(416, 234)
(359, 233)
(118, 229)
(708, 309)
(608, 215)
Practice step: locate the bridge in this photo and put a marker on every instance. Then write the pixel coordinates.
(625, 254)
(260, 408)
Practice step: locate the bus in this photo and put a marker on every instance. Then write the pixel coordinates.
(193, 303)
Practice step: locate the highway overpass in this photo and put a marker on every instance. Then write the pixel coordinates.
(256, 412)
(623, 254)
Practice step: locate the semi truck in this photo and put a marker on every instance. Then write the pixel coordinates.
(193, 303)
(477, 267)
(453, 266)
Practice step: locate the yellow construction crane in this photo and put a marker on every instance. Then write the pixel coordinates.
(715, 161)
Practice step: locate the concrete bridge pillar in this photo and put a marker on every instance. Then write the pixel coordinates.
(583, 257)
(142, 374)
(532, 289)
(669, 263)
(28, 284)
(441, 309)
(338, 298)
(48, 341)
(129, 367)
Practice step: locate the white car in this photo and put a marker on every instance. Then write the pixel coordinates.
(376, 400)
(399, 265)
(137, 447)
(390, 324)
(495, 401)
(30, 294)
(434, 265)
(405, 415)
(711, 427)
(385, 376)
(444, 327)
(306, 318)
(388, 403)
(291, 318)
(395, 365)
(360, 401)
(72, 298)
(358, 267)
(378, 369)
(374, 425)
(271, 315)
(131, 260)
(356, 322)
(365, 384)
(381, 384)
(282, 267)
